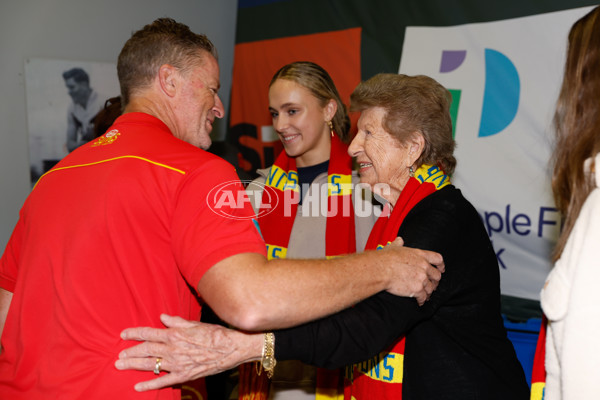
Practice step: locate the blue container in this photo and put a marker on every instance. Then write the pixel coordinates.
(524, 336)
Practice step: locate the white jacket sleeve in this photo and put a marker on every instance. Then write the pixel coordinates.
(571, 301)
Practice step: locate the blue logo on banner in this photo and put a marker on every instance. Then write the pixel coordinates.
(501, 93)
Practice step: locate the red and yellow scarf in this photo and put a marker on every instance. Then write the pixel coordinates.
(280, 204)
(538, 372)
(381, 377)
(278, 211)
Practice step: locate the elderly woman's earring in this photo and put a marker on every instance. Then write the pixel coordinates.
(330, 124)
(411, 171)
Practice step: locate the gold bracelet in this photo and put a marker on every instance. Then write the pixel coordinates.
(267, 360)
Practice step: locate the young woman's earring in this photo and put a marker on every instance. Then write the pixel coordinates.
(330, 124)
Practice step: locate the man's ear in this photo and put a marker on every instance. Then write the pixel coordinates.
(167, 79)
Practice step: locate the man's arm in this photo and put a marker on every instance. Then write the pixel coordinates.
(190, 350)
(253, 294)
(266, 294)
(5, 299)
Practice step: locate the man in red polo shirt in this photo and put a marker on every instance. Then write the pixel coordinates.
(128, 226)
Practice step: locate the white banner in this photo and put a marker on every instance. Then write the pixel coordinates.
(505, 77)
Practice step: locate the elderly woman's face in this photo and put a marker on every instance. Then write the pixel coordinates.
(381, 158)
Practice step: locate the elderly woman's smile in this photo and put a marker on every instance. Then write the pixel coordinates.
(381, 158)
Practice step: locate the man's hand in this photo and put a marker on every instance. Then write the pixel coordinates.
(418, 274)
(188, 350)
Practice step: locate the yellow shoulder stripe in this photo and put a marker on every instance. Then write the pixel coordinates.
(113, 159)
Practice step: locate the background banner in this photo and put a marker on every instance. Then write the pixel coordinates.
(505, 78)
(502, 62)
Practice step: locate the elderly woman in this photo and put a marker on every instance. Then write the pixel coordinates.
(455, 345)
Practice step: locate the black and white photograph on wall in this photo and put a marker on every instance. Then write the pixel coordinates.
(63, 99)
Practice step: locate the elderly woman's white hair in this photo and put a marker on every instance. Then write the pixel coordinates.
(412, 104)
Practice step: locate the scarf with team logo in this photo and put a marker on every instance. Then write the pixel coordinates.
(381, 377)
(538, 371)
(278, 210)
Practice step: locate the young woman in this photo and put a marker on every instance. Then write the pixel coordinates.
(308, 199)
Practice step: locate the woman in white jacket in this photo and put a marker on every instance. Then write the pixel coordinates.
(570, 298)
